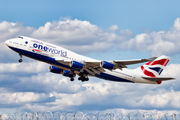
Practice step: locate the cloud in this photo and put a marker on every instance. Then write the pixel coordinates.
(33, 87)
(158, 43)
(79, 36)
(177, 24)
(10, 30)
(45, 91)
(82, 36)
(33, 67)
(161, 100)
(17, 99)
(113, 28)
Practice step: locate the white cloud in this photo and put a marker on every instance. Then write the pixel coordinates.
(168, 99)
(113, 28)
(177, 24)
(34, 67)
(77, 35)
(82, 36)
(21, 97)
(9, 30)
(158, 43)
(67, 31)
(68, 94)
(172, 70)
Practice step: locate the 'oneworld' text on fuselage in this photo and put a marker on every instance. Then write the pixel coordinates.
(49, 49)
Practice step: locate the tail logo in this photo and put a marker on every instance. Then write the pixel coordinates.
(154, 68)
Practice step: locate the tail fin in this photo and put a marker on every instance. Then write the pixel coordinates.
(155, 68)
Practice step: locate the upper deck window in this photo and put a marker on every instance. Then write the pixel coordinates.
(20, 37)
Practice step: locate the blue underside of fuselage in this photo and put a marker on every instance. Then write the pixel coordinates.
(52, 61)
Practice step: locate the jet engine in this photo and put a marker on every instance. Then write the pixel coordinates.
(76, 64)
(66, 73)
(107, 65)
(55, 69)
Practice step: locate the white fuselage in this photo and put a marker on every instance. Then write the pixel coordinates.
(53, 54)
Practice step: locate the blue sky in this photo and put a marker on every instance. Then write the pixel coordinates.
(105, 30)
(137, 16)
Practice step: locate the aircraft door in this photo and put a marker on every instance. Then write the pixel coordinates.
(30, 47)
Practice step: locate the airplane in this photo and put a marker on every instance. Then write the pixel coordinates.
(69, 64)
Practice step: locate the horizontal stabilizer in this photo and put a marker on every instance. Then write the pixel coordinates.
(164, 78)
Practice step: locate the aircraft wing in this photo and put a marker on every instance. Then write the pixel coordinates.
(61, 59)
(123, 63)
(96, 66)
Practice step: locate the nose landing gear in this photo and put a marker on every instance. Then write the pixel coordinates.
(20, 60)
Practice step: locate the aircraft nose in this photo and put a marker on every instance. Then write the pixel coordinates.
(7, 42)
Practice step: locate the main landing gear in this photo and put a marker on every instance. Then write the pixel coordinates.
(72, 77)
(83, 77)
(20, 60)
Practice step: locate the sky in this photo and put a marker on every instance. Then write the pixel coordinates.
(104, 30)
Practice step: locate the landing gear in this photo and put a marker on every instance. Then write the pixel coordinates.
(20, 60)
(83, 77)
(72, 75)
(72, 79)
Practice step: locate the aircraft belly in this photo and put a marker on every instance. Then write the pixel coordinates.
(109, 77)
(39, 57)
(52, 61)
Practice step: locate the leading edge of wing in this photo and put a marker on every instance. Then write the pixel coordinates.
(130, 62)
(96, 63)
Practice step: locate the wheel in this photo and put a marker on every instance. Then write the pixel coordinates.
(20, 60)
(83, 79)
(72, 79)
(87, 79)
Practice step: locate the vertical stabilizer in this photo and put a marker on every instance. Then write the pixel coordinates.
(155, 68)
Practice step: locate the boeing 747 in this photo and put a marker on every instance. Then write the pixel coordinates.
(69, 64)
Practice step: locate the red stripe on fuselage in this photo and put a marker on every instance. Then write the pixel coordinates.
(37, 50)
(163, 62)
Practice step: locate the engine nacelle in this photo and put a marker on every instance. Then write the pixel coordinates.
(75, 64)
(55, 69)
(107, 65)
(67, 73)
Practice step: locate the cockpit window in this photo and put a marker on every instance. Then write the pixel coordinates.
(20, 37)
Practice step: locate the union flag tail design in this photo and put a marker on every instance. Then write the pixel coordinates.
(154, 68)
